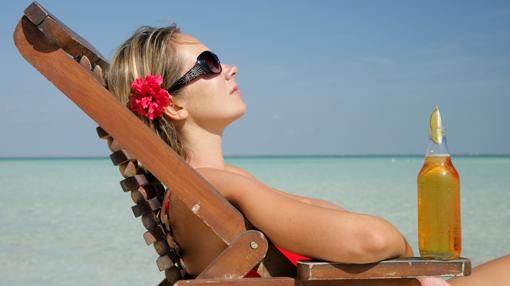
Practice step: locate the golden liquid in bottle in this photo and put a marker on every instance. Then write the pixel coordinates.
(439, 230)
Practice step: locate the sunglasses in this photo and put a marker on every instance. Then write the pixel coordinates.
(207, 64)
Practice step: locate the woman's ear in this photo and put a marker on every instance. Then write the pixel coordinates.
(176, 112)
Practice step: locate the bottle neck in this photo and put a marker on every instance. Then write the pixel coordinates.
(437, 149)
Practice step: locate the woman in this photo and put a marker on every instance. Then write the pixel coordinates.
(178, 87)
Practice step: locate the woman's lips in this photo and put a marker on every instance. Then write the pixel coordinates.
(236, 89)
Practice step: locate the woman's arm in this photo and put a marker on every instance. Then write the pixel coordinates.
(307, 229)
(408, 252)
(308, 200)
(311, 201)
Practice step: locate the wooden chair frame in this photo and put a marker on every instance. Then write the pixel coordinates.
(205, 241)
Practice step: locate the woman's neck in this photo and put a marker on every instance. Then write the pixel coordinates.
(203, 147)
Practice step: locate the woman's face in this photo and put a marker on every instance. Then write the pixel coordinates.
(212, 102)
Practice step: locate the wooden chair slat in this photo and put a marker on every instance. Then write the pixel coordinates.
(160, 189)
(177, 250)
(149, 220)
(85, 63)
(63, 36)
(133, 183)
(120, 156)
(113, 144)
(171, 241)
(154, 203)
(165, 282)
(161, 247)
(409, 267)
(35, 13)
(136, 197)
(154, 235)
(146, 192)
(101, 133)
(151, 178)
(173, 274)
(181, 263)
(141, 209)
(97, 71)
(130, 168)
(164, 262)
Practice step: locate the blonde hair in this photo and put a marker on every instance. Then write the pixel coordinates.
(149, 51)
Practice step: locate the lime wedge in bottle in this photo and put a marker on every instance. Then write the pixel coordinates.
(436, 126)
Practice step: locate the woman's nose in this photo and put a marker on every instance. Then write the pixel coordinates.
(231, 70)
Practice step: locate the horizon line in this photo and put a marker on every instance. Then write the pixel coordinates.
(273, 156)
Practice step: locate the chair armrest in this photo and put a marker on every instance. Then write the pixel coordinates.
(408, 267)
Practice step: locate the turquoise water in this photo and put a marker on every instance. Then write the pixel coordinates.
(67, 221)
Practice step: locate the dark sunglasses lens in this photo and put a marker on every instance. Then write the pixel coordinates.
(212, 62)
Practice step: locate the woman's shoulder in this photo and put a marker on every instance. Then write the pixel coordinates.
(238, 170)
(229, 172)
(231, 181)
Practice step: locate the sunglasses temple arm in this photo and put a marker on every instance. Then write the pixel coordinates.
(192, 74)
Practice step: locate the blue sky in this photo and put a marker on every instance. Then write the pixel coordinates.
(321, 77)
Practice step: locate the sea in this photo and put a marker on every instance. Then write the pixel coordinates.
(66, 221)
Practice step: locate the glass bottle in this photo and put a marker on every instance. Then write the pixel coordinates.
(439, 227)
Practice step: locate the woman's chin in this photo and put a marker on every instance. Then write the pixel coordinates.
(242, 112)
(235, 118)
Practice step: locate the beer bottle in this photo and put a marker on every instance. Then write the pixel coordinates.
(439, 228)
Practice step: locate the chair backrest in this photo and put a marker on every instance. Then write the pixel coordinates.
(203, 223)
(209, 222)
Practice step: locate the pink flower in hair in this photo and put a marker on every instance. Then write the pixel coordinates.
(148, 98)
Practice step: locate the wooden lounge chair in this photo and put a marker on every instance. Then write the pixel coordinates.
(203, 240)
